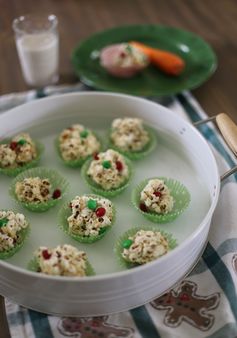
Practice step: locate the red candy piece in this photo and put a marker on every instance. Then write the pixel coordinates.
(143, 207)
(122, 55)
(95, 323)
(46, 254)
(157, 193)
(119, 165)
(95, 156)
(100, 212)
(13, 145)
(56, 194)
(184, 297)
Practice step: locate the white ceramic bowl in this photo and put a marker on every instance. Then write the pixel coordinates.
(182, 153)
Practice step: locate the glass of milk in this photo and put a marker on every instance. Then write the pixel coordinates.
(37, 45)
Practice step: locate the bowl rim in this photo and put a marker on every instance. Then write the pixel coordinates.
(143, 268)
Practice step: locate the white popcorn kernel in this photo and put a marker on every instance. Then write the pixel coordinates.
(129, 134)
(156, 197)
(64, 260)
(146, 246)
(9, 232)
(74, 147)
(84, 221)
(108, 178)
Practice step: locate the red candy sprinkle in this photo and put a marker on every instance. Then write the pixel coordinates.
(95, 156)
(184, 297)
(100, 212)
(119, 165)
(46, 254)
(95, 323)
(56, 194)
(143, 207)
(13, 145)
(157, 193)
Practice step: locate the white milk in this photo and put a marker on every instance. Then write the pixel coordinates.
(38, 54)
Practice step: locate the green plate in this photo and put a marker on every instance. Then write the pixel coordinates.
(199, 57)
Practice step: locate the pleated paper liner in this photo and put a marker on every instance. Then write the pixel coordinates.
(23, 235)
(130, 233)
(66, 211)
(56, 181)
(96, 188)
(180, 195)
(137, 155)
(79, 162)
(17, 170)
(33, 265)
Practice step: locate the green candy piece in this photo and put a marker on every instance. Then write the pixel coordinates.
(102, 230)
(127, 243)
(106, 164)
(3, 222)
(129, 48)
(92, 204)
(84, 133)
(22, 142)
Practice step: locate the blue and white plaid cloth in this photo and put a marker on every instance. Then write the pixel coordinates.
(205, 302)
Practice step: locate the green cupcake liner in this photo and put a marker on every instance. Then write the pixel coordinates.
(56, 180)
(12, 172)
(137, 155)
(96, 188)
(23, 234)
(131, 232)
(180, 195)
(33, 265)
(77, 163)
(65, 212)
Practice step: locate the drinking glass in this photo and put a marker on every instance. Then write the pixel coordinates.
(37, 45)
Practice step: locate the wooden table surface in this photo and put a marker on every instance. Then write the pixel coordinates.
(214, 20)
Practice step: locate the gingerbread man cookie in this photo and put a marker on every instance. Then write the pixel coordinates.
(186, 305)
(92, 327)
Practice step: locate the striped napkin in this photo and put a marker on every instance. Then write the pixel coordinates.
(204, 304)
